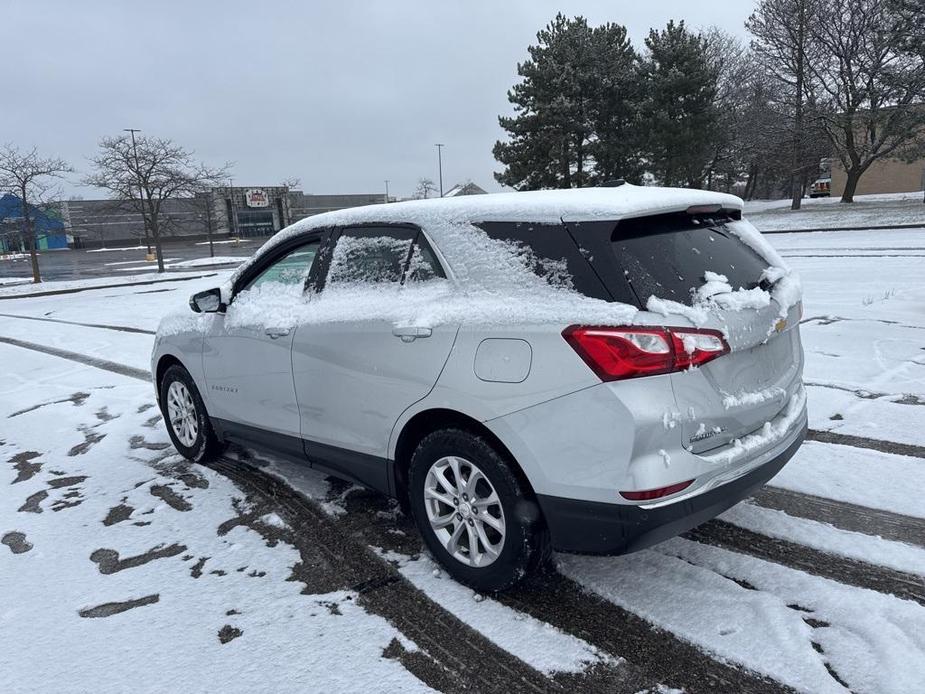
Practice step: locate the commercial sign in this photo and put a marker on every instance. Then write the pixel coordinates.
(255, 197)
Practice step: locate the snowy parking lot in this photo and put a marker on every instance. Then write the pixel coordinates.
(124, 567)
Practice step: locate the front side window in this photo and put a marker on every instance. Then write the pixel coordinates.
(290, 270)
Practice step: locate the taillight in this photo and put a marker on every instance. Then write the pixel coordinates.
(649, 494)
(632, 351)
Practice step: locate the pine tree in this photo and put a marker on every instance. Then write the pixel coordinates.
(551, 131)
(678, 111)
(575, 109)
(616, 90)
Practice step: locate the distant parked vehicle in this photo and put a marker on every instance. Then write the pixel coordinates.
(821, 188)
(588, 371)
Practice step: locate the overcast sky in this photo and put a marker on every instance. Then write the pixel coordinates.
(341, 94)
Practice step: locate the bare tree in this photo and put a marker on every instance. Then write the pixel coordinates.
(32, 179)
(291, 182)
(425, 187)
(150, 171)
(734, 66)
(782, 31)
(871, 77)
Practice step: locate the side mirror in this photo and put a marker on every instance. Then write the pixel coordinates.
(209, 301)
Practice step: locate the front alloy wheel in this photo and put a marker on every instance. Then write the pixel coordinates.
(187, 420)
(181, 413)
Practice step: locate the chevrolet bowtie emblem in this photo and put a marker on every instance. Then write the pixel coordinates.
(780, 325)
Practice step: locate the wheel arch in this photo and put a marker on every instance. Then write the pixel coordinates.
(164, 363)
(430, 420)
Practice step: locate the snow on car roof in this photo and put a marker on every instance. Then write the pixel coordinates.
(442, 217)
(541, 206)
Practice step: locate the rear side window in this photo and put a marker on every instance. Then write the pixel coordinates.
(550, 252)
(381, 255)
(667, 256)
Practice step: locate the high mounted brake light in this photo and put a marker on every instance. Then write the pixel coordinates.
(632, 351)
(704, 209)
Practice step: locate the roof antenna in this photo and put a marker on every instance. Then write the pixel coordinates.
(613, 183)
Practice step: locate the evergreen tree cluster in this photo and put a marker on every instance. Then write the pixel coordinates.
(842, 80)
(590, 108)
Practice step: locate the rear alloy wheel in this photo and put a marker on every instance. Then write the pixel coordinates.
(477, 518)
(185, 416)
(464, 511)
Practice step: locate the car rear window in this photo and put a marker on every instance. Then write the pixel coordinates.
(667, 256)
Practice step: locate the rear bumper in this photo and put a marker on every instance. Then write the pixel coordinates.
(590, 527)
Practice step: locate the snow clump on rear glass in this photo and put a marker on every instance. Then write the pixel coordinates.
(717, 293)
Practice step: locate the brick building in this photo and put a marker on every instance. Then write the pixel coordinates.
(883, 176)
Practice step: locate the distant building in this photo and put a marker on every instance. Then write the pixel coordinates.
(883, 176)
(48, 228)
(242, 211)
(464, 189)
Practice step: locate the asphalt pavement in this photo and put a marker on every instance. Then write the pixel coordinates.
(119, 261)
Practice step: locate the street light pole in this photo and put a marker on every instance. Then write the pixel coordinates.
(141, 192)
(439, 147)
(233, 222)
(386, 190)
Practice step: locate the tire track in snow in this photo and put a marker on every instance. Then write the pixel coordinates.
(907, 449)
(118, 328)
(559, 601)
(650, 655)
(552, 598)
(844, 515)
(812, 561)
(460, 658)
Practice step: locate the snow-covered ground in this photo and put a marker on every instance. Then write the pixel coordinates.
(122, 567)
(826, 213)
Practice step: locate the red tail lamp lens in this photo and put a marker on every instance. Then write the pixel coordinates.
(632, 351)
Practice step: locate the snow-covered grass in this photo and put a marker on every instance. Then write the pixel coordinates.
(822, 213)
(865, 374)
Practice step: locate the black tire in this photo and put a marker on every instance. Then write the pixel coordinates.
(526, 545)
(206, 445)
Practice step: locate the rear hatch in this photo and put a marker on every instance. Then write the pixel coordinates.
(664, 263)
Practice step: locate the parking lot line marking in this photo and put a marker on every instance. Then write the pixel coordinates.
(119, 328)
(75, 290)
(112, 366)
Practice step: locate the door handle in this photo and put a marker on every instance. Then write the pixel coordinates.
(277, 332)
(411, 333)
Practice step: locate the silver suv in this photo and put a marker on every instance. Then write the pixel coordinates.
(587, 371)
